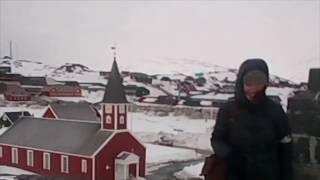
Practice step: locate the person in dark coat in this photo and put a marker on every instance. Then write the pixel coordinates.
(252, 132)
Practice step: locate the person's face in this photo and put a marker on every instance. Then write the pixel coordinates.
(252, 88)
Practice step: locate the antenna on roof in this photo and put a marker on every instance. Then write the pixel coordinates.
(11, 49)
(114, 48)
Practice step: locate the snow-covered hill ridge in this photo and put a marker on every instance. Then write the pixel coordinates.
(81, 73)
(72, 68)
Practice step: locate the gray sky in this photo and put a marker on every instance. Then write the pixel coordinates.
(285, 33)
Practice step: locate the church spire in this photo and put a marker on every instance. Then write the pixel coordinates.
(114, 92)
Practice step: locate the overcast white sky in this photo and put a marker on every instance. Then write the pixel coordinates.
(285, 33)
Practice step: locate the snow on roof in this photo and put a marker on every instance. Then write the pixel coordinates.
(150, 99)
(206, 103)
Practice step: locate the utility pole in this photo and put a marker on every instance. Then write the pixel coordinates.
(11, 56)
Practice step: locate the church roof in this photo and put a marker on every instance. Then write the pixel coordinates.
(83, 138)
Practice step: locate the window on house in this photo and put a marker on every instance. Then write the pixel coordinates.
(14, 156)
(30, 158)
(1, 152)
(108, 109)
(108, 120)
(84, 166)
(46, 161)
(122, 109)
(64, 164)
(121, 120)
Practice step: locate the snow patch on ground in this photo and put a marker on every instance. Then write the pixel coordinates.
(161, 154)
(13, 171)
(190, 172)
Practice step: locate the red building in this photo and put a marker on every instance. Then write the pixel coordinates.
(87, 150)
(16, 93)
(59, 90)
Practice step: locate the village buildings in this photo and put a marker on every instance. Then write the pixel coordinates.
(88, 149)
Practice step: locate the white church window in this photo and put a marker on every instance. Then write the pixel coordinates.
(84, 165)
(30, 158)
(46, 161)
(122, 109)
(14, 156)
(108, 120)
(108, 109)
(121, 120)
(64, 164)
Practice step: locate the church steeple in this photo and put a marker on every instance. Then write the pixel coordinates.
(114, 102)
(114, 92)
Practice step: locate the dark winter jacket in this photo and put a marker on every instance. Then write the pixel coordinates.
(255, 139)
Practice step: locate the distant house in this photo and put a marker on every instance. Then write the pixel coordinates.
(219, 103)
(201, 81)
(169, 100)
(16, 93)
(9, 118)
(10, 77)
(141, 77)
(81, 111)
(33, 85)
(105, 74)
(80, 150)
(61, 91)
(125, 73)
(192, 102)
(33, 90)
(134, 90)
(5, 69)
(34, 81)
(71, 83)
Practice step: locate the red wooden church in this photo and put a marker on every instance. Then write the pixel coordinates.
(88, 150)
